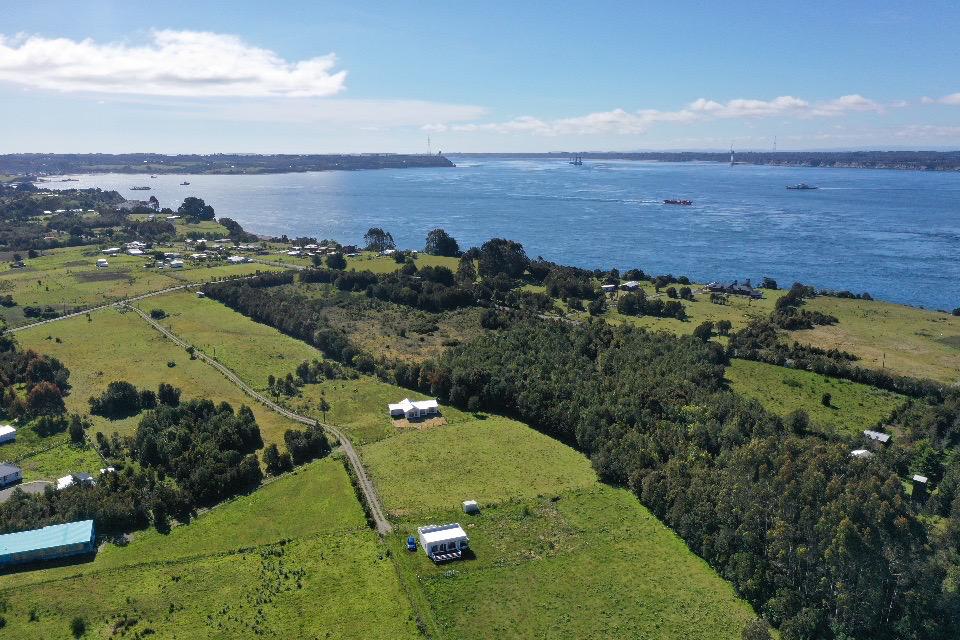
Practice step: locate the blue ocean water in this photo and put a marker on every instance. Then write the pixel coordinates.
(894, 234)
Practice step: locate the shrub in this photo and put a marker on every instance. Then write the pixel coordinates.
(78, 627)
(158, 314)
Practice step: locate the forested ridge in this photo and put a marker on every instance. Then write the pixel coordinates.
(822, 544)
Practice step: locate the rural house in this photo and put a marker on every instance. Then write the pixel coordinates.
(74, 478)
(877, 436)
(735, 288)
(412, 410)
(7, 433)
(9, 474)
(444, 541)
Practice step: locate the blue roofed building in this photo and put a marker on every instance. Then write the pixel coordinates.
(48, 543)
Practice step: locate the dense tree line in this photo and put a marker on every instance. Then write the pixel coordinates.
(208, 449)
(31, 384)
(824, 545)
(121, 399)
(637, 304)
(788, 315)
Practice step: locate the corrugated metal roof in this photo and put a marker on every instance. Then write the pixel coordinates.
(52, 536)
(6, 468)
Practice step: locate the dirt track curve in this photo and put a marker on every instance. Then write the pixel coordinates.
(363, 480)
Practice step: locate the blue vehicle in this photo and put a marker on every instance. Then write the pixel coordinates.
(411, 543)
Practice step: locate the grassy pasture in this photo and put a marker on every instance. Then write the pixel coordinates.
(491, 461)
(252, 350)
(252, 566)
(904, 340)
(587, 563)
(68, 278)
(359, 407)
(115, 345)
(853, 407)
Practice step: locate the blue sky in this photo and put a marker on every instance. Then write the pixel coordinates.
(287, 76)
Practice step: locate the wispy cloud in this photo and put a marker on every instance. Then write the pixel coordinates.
(620, 121)
(953, 99)
(170, 63)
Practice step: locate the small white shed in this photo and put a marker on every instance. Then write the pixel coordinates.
(102, 263)
(443, 541)
(471, 506)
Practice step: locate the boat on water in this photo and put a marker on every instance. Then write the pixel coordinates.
(184, 183)
(803, 186)
(685, 203)
(139, 188)
(153, 176)
(577, 161)
(70, 180)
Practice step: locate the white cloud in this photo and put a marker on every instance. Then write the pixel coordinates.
(952, 99)
(620, 121)
(928, 132)
(170, 63)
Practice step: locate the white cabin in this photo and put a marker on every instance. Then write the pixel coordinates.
(443, 541)
(238, 259)
(414, 409)
(102, 263)
(176, 264)
(7, 433)
(112, 251)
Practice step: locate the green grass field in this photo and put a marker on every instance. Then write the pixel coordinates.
(853, 407)
(491, 461)
(359, 407)
(592, 563)
(252, 350)
(904, 340)
(253, 566)
(115, 345)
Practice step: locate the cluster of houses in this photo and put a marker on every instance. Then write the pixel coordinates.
(173, 259)
(735, 288)
(310, 250)
(629, 285)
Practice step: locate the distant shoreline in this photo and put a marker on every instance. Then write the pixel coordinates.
(895, 160)
(52, 164)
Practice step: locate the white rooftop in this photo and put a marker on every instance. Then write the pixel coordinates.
(6, 430)
(861, 453)
(919, 478)
(406, 405)
(441, 533)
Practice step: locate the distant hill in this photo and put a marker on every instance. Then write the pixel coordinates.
(61, 163)
(907, 160)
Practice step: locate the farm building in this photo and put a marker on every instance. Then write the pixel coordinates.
(102, 263)
(112, 251)
(48, 543)
(414, 409)
(176, 264)
(7, 433)
(135, 252)
(735, 288)
(630, 285)
(238, 259)
(877, 436)
(74, 478)
(9, 474)
(861, 453)
(443, 541)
